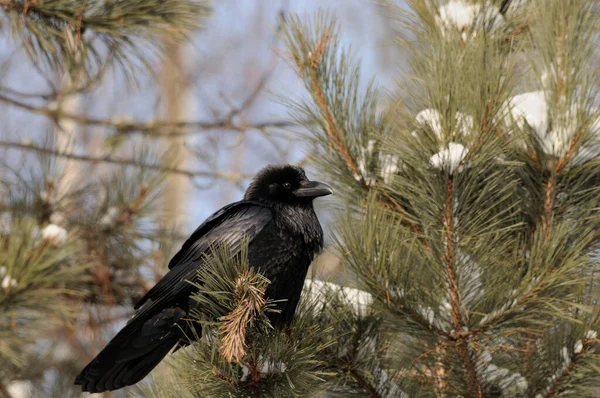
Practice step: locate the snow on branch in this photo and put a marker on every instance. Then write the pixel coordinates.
(468, 19)
(556, 129)
(316, 291)
(450, 158)
(451, 154)
(388, 164)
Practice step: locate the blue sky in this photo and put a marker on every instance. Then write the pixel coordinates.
(229, 57)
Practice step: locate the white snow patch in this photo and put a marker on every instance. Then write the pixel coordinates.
(469, 279)
(20, 389)
(486, 356)
(463, 124)
(531, 109)
(8, 282)
(468, 18)
(266, 369)
(109, 219)
(54, 234)
(57, 218)
(358, 299)
(578, 347)
(388, 164)
(388, 167)
(363, 158)
(450, 158)
(564, 353)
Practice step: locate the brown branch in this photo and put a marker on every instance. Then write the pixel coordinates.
(333, 132)
(475, 389)
(563, 161)
(364, 384)
(125, 162)
(548, 203)
(550, 184)
(126, 215)
(449, 258)
(151, 128)
(331, 128)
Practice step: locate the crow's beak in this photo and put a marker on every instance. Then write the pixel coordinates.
(313, 189)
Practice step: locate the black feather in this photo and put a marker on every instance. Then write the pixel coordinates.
(283, 234)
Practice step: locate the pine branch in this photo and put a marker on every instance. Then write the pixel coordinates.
(313, 55)
(250, 290)
(65, 33)
(319, 96)
(364, 384)
(330, 81)
(475, 388)
(549, 191)
(419, 319)
(454, 291)
(356, 374)
(554, 388)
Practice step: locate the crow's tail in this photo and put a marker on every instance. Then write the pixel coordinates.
(133, 352)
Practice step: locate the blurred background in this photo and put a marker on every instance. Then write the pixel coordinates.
(118, 170)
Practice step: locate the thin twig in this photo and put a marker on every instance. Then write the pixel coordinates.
(126, 162)
(151, 128)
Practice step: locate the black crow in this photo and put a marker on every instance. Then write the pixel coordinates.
(276, 217)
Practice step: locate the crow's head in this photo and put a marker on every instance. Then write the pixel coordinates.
(285, 184)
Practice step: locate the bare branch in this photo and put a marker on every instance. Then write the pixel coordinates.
(151, 128)
(233, 177)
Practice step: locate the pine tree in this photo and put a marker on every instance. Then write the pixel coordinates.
(470, 219)
(77, 246)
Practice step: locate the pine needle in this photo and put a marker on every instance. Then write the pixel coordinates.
(250, 290)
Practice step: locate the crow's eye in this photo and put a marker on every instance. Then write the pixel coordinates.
(287, 185)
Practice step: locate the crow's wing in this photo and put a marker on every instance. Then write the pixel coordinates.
(229, 226)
